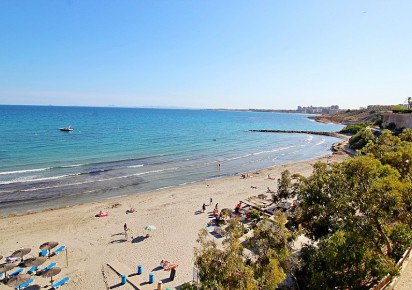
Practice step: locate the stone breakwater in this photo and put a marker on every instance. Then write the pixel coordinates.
(331, 134)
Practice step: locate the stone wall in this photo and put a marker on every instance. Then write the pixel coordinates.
(401, 120)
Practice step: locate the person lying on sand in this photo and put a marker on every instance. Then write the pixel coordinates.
(131, 210)
(247, 175)
(102, 214)
(166, 265)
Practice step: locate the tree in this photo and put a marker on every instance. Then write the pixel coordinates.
(284, 185)
(222, 268)
(352, 210)
(229, 268)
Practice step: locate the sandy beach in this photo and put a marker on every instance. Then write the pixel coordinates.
(94, 242)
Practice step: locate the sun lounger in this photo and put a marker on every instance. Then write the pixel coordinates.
(60, 283)
(47, 268)
(17, 272)
(43, 253)
(32, 270)
(58, 250)
(24, 285)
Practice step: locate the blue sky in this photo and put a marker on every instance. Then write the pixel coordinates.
(206, 54)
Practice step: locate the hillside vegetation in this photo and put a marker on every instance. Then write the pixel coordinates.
(350, 117)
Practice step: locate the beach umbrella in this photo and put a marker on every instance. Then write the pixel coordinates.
(48, 245)
(150, 228)
(18, 280)
(20, 253)
(51, 272)
(37, 261)
(7, 267)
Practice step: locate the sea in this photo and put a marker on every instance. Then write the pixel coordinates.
(114, 152)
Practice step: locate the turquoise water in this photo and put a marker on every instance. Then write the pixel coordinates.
(120, 151)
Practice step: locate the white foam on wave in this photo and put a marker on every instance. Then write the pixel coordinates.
(273, 150)
(320, 142)
(24, 171)
(32, 179)
(135, 166)
(71, 166)
(308, 138)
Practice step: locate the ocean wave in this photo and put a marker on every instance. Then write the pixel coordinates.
(273, 150)
(320, 142)
(308, 138)
(25, 180)
(24, 171)
(135, 166)
(87, 181)
(71, 166)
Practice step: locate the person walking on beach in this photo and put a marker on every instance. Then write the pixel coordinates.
(211, 201)
(204, 207)
(125, 230)
(216, 205)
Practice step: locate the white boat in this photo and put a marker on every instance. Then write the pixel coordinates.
(66, 129)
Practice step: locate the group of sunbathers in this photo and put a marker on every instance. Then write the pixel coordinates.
(103, 214)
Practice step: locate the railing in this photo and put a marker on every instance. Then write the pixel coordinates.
(388, 278)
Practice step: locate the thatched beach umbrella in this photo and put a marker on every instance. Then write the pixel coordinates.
(18, 280)
(48, 246)
(51, 272)
(20, 253)
(37, 261)
(7, 267)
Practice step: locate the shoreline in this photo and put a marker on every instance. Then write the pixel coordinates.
(336, 148)
(24, 210)
(94, 242)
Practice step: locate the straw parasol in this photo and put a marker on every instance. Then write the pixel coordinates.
(18, 280)
(20, 253)
(37, 261)
(51, 272)
(48, 245)
(7, 267)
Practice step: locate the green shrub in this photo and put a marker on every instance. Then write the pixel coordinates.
(360, 139)
(353, 129)
(187, 286)
(254, 214)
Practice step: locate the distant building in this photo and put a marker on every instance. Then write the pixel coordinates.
(318, 110)
(379, 107)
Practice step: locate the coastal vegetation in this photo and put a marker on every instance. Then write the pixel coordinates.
(351, 117)
(357, 215)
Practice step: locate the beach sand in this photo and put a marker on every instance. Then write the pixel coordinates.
(94, 242)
